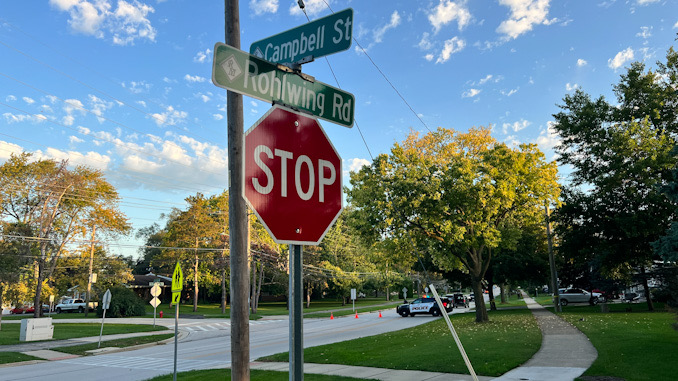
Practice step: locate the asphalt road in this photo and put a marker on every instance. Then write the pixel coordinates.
(206, 344)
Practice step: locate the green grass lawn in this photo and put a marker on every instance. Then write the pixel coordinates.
(10, 357)
(636, 345)
(255, 375)
(10, 332)
(81, 350)
(508, 340)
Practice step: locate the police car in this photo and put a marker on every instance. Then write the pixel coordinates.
(423, 306)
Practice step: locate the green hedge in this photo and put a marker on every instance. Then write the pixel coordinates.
(124, 303)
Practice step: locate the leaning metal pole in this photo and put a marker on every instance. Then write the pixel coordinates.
(239, 287)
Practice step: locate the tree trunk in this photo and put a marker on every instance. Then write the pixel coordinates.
(261, 280)
(38, 287)
(502, 289)
(2, 291)
(481, 310)
(308, 294)
(195, 278)
(490, 289)
(223, 289)
(253, 285)
(646, 289)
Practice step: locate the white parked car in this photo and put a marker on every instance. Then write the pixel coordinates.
(577, 295)
(74, 305)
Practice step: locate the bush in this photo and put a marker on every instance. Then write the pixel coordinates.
(124, 303)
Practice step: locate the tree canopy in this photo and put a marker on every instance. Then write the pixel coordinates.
(460, 195)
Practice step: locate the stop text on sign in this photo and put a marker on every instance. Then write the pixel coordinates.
(292, 176)
(304, 173)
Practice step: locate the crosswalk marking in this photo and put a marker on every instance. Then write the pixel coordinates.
(199, 326)
(145, 363)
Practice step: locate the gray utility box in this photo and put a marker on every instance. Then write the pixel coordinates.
(36, 329)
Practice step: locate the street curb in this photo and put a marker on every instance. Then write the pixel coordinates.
(21, 363)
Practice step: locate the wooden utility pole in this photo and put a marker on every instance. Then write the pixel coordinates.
(552, 261)
(239, 287)
(91, 265)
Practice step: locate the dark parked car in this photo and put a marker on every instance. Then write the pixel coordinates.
(458, 300)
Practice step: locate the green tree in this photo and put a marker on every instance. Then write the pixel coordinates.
(613, 208)
(459, 195)
(57, 204)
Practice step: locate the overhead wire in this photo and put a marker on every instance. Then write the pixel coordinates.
(384, 76)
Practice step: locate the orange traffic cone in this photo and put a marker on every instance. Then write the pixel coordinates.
(356, 314)
(331, 316)
(379, 313)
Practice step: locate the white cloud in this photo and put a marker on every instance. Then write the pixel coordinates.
(675, 25)
(217, 116)
(485, 80)
(447, 11)
(28, 100)
(645, 32)
(204, 98)
(7, 149)
(581, 62)
(10, 98)
(313, 7)
(571, 87)
(394, 22)
(548, 138)
(355, 164)
(169, 117)
(429, 57)
(471, 93)
(125, 23)
(90, 159)
(510, 92)
(524, 15)
(515, 126)
(646, 2)
(75, 139)
(201, 57)
(425, 43)
(99, 106)
(264, 6)
(453, 45)
(137, 87)
(620, 59)
(378, 33)
(195, 78)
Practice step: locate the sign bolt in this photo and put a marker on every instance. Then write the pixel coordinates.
(296, 123)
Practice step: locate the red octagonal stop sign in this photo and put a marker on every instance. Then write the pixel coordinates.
(292, 177)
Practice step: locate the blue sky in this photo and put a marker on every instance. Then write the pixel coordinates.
(125, 86)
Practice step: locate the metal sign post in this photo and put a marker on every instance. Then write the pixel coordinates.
(296, 314)
(353, 296)
(177, 286)
(454, 334)
(155, 302)
(105, 301)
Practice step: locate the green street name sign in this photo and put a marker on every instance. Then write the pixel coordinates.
(316, 39)
(246, 74)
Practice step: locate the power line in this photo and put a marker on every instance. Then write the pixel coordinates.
(385, 77)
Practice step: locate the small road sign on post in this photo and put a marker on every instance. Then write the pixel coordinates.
(318, 38)
(292, 177)
(177, 286)
(246, 74)
(105, 303)
(155, 302)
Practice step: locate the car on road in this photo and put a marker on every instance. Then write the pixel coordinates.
(74, 305)
(458, 300)
(577, 295)
(17, 310)
(423, 306)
